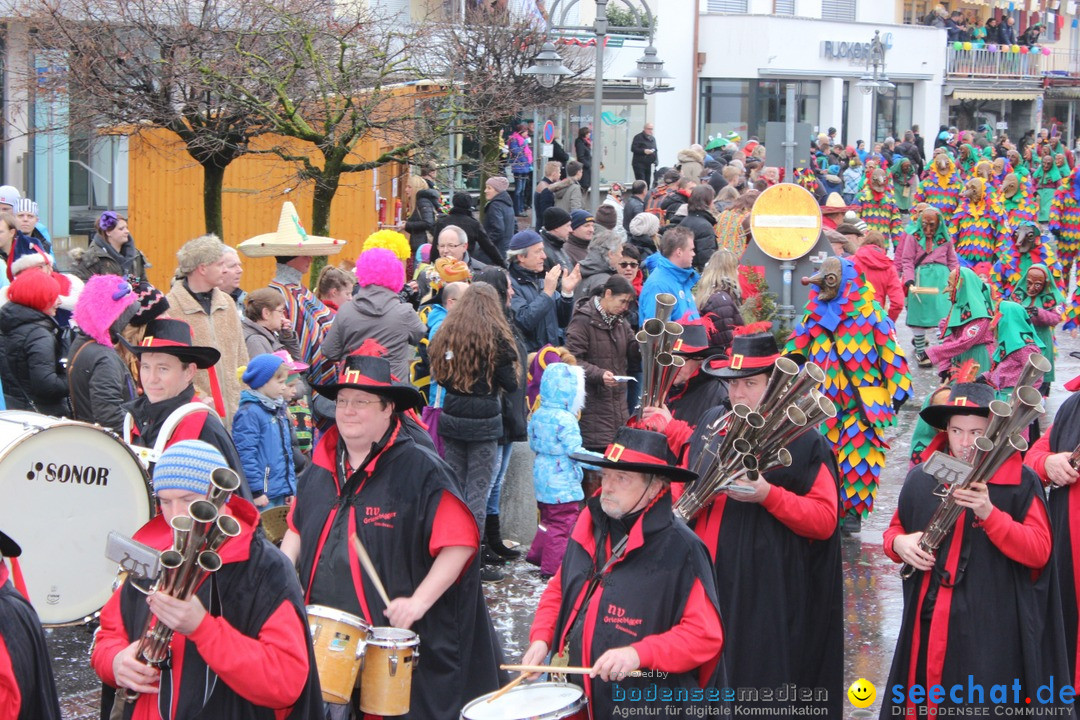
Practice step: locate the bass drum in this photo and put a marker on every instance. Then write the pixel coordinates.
(64, 485)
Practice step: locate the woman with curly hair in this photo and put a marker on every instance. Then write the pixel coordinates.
(474, 358)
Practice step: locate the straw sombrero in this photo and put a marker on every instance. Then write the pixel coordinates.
(290, 239)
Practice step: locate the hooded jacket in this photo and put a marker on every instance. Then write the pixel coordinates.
(422, 220)
(261, 431)
(691, 163)
(380, 314)
(499, 221)
(600, 347)
(595, 271)
(703, 225)
(34, 378)
(259, 341)
(554, 434)
(666, 277)
(568, 194)
(877, 269)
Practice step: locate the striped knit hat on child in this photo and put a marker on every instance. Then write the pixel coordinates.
(187, 465)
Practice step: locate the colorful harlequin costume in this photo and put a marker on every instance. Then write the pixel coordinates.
(878, 209)
(978, 226)
(849, 336)
(1018, 199)
(1044, 309)
(967, 332)
(968, 158)
(941, 186)
(1017, 255)
(1065, 225)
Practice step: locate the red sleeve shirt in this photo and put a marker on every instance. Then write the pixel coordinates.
(454, 525)
(694, 641)
(547, 613)
(10, 695)
(1037, 454)
(813, 515)
(890, 534)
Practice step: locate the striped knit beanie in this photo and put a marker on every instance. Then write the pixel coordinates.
(187, 466)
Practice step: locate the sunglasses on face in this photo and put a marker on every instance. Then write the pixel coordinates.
(626, 265)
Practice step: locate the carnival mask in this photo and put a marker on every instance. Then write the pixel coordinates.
(941, 161)
(1024, 238)
(983, 170)
(930, 219)
(827, 279)
(1014, 158)
(999, 166)
(975, 190)
(1010, 185)
(964, 152)
(1059, 160)
(877, 180)
(954, 284)
(1036, 281)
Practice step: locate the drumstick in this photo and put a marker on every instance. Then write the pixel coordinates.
(508, 687)
(369, 567)
(557, 670)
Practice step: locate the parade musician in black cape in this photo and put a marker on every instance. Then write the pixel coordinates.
(1049, 458)
(240, 649)
(369, 477)
(695, 392)
(984, 610)
(776, 551)
(635, 589)
(27, 688)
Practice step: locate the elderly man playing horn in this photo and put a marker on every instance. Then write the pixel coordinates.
(368, 478)
(596, 611)
(240, 646)
(773, 539)
(981, 601)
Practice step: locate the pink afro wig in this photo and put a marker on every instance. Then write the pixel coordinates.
(379, 266)
(104, 300)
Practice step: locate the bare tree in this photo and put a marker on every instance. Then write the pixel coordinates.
(486, 57)
(335, 83)
(138, 65)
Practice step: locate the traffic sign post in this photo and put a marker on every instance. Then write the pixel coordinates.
(785, 224)
(549, 132)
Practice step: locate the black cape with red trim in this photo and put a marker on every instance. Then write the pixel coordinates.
(1064, 506)
(21, 630)
(391, 505)
(701, 393)
(781, 595)
(999, 623)
(644, 593)
(249, 592)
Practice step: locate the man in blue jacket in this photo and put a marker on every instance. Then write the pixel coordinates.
(541, 308)
(670, 271)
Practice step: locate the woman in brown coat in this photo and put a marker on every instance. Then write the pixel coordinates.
(603, 343)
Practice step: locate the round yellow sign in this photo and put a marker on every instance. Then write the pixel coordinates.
(785, 221)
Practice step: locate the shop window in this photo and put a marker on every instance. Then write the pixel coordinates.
(842, 10)
(725, 108)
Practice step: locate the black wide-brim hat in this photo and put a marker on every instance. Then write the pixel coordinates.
(173, 337)
(372, 374)
(964, 399)
(749, 355)
(8, 547)
(693, 342)
(642, 451)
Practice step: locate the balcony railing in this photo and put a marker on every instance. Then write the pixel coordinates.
(982, 65)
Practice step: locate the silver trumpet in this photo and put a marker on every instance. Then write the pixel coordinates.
(1003, 437)
(197, 537)
(746, 443)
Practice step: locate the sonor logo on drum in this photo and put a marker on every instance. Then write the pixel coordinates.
(77, 474)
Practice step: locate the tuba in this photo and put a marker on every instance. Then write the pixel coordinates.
(1003, 437)
(197, 537)
(659, 366)
(745, 443)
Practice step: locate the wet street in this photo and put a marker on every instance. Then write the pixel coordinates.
(873, 602)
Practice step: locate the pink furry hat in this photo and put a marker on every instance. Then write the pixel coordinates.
(379, 266)
(106, 304)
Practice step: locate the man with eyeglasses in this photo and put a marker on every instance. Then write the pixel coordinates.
(369, 478)
(452, 242)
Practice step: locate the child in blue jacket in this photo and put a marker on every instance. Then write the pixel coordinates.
(553, 436)
(261, 432)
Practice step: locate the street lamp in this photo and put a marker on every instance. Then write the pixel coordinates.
(549, 69)
(874, 81)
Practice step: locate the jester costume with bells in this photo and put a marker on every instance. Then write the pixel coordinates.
(941, 185)
(1065, 225)
(978, 226)
(876, 207)
(851, 338)
(967, 332)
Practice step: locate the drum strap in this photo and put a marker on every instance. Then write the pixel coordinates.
(71, 376)
(165, 695)
(576, 623)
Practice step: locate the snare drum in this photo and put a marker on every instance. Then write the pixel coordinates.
(65, 485)
(539, 701)
(339, 639)
(386, 679)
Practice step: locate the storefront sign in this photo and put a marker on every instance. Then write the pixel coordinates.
(854, 52)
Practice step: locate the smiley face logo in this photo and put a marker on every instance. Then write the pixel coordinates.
(862, 693)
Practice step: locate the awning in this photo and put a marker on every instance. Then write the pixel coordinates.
(991, 94)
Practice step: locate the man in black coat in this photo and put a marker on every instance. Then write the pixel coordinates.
(635, 203)
(643, 152)
(27, 688)
(461, 215)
